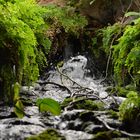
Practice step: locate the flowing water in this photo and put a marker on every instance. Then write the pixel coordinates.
(59, 84)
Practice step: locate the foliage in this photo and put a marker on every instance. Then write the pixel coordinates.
(22, 29)
(49, 134)
(65, 18)
(19, 109)
(48, 104)
(108, 34)
(123, 41)
(130, 108)
(126, 53)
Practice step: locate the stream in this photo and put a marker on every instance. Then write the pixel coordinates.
(74, 79)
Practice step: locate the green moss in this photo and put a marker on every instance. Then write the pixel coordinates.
(113, 114)
(123, 91)
(106, 135)
(21, 26)
(130, 108)
(8, 78)
(89, 104)
(49, 134)
(82, 103)
(66, 102)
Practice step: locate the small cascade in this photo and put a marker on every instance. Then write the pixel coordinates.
(72, 80)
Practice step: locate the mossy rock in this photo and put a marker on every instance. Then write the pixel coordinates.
(49, 134)
(89, 105)
(106, 135)
(82, 103)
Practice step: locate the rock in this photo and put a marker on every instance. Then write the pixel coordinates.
(76, 135)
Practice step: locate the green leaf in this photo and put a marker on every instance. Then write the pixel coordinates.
(48, 104)
(19, 109)
(16, 91)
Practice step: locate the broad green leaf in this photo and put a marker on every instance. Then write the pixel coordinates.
(19, 109)
(48, 104)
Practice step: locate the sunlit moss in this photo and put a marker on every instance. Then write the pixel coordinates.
(49, 134)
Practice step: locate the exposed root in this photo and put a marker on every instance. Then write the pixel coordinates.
(114, 129)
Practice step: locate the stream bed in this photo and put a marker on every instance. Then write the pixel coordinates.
(84, 112)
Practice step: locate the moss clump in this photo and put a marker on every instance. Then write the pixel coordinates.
(66, 102)
(113, 114)
(106, 135)
(82, 103)
(130, 108)
(49, 134)
(89, 104)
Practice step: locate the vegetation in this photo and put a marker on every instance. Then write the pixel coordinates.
(24, 38)
(50, 105)
(22, 25)
(123, 41)
(65, 18)
(82, 103)
(129, 109)
(29, 31)
(121, 44)
(49, 134)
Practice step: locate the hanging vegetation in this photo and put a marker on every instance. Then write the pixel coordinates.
(123, 41)
(22, 29)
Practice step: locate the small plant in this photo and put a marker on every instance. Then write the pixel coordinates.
(130, 108)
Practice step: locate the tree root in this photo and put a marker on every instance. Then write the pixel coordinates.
(113, 129)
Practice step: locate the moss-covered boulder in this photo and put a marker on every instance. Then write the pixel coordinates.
(49, 134)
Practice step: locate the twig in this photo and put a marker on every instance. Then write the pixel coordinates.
(77, 92)
(53, 83)
(84, 88)
(113, 129)
(68, 77)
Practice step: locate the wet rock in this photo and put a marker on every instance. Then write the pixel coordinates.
(93, 129)
(76, 135)
(70, 115)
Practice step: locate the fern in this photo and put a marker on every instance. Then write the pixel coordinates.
(22, 30)
(126, 52)
(124, 43)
